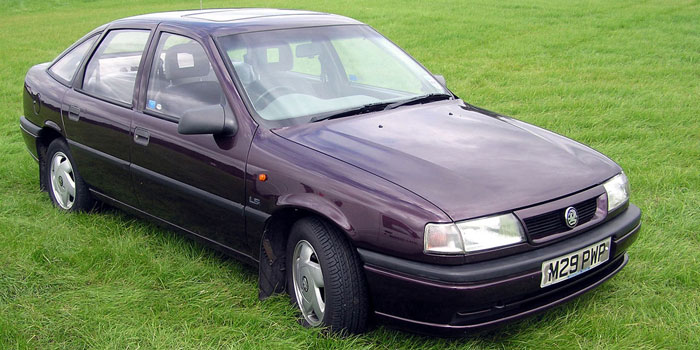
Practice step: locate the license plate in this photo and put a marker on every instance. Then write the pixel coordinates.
(573, 264)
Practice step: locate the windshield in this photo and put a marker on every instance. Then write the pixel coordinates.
(295, 76)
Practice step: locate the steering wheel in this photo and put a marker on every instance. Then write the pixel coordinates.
(270, 95)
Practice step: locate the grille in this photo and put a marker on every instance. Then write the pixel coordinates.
(546, 224)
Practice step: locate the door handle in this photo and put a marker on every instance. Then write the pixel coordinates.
(73, 113)
(142, 136)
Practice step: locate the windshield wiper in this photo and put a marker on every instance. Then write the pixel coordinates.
(371, 107)
(420, 99)
(379, 106)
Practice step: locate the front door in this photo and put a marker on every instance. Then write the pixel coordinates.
(195, 182)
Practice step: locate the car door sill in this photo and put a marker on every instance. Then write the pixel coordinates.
(246, 258)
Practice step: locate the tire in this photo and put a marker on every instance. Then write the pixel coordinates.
(66, 188)
(314, 246)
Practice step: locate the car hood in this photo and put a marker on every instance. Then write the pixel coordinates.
(468, 162)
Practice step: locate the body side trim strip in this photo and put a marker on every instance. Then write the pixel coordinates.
(255, 214)
(169, 182)
(100, 154)
(189, 189)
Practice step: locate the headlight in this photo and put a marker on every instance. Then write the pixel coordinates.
(473, 235)
(618, 190)
(491, 232)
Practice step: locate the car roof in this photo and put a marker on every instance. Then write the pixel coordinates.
(239, 20)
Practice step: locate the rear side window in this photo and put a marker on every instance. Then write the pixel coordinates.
(182, 78)
(64, 69)
(111, 72)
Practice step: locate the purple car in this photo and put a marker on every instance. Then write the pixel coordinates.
(310, 146)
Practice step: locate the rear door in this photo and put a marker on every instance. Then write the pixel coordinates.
(99, 110)
(195, 182)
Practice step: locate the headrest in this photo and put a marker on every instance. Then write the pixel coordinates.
(185, 61)
(307, 50)
(245, 72)
(271, 56)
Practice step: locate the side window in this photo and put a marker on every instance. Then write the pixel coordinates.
(65, 68)
(182, 78)
(111, 72)
(237, 55)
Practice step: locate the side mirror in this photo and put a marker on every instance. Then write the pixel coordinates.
(440, 79)
(206, 120)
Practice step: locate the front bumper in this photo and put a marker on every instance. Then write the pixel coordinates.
(447, 300)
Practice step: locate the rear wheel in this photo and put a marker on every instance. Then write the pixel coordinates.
(325, 279)
(65, 186)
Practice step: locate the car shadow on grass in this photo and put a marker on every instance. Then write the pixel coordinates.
(377, 333)
(504, 336)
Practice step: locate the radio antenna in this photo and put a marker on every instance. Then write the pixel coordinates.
(200, 4)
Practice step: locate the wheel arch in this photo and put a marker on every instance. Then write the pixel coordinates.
(273, 243)
(46, 135)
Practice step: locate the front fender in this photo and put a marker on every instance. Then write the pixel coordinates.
(374, 213)
(316, 203)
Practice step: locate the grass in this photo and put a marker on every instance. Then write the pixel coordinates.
(620, 76)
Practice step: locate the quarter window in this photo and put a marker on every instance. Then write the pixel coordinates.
(111, 72)
(182, 78)
(64, 69)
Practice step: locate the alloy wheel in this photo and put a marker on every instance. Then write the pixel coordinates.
(62, 180)
(309, 287)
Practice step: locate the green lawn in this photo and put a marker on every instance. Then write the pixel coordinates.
(620, 76)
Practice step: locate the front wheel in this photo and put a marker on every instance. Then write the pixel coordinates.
(324, 277)
(66, 188)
